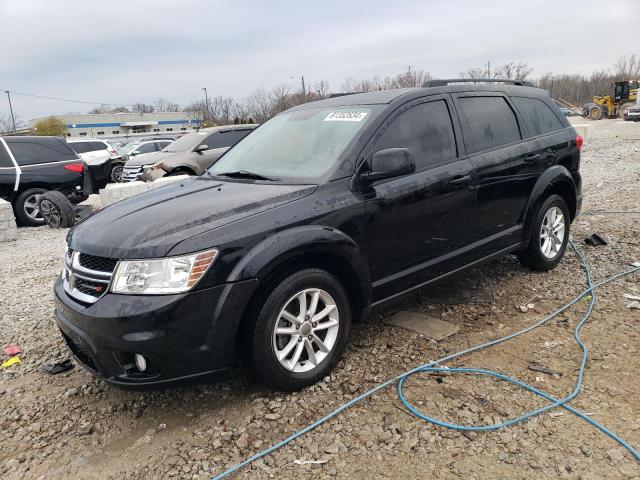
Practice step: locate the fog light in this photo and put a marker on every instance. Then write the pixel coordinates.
(141, 362)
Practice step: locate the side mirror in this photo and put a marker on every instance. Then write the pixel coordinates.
(135, 152)
(388, 163)
(201, 148)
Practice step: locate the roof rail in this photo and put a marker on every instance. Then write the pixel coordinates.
(445, 82)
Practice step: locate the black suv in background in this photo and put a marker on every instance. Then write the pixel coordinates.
(30, 166)
(323, 212)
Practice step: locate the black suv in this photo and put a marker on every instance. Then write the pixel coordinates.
(325, 211)
(30, 166)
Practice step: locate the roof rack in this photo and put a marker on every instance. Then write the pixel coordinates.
(445, 82)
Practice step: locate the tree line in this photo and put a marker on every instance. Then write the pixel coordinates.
(264, 104)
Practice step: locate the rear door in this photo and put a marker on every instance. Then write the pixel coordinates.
(7, 172)
(493, 136)
(419, 224)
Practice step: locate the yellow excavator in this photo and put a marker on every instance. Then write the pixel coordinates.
(624, 95)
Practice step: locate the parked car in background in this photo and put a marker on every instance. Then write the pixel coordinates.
(328, 210)
(632, 113)
(31, 166)
(191, 154)
(99, 155)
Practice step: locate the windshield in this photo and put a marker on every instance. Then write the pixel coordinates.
(186, 142)
(300, 145)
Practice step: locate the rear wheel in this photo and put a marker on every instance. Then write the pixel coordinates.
(26, 207)
(549, 236)
(301, 330)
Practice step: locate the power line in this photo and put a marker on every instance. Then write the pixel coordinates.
(76, 101)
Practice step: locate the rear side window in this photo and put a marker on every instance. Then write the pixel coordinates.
(85, 147)
(538, 115)
(47, 150)
(5, 160)
(488, 122)
(146, 148)
(426, 130)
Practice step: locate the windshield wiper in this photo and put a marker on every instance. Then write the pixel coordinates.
(245, 174)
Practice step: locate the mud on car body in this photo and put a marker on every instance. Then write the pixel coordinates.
(324, 212)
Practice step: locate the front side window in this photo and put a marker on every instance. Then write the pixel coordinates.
(426, 130)
(146, 148)
(488, 122)
(538, 115)
(31, 153)
(301, 145)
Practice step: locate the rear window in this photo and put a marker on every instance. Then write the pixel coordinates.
(488, 122)
(85, 147)
(538, 115)
(40, 151)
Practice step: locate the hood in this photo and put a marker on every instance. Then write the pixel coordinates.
(151, 224)
(97, 157)
(149, 158)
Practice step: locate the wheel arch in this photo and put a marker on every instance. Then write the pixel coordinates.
(299, 248)
(555, 180)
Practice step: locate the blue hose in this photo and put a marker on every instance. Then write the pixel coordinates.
(430, 367)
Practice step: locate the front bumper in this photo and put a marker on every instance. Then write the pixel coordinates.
(182, 336)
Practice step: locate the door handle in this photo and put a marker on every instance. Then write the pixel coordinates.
(460, 181)
(533, 158)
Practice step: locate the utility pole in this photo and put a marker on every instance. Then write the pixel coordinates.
(409, 68)
(206, 100)
(489, 69)
(13, 120)
(304, 91)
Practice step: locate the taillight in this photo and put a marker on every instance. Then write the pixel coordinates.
(579, 142)
(74, 167)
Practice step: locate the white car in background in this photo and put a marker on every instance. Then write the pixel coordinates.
(99, 155)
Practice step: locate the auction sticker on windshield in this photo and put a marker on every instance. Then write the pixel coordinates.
(345, 116)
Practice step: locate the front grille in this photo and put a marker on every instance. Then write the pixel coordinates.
(100, 264)
(80, 352)
(85, 277)
(131, 174)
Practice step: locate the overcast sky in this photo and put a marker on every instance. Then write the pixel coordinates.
(122, 52)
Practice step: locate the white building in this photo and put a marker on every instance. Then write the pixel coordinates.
(124, 124)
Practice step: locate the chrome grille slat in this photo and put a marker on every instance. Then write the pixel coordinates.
(131, 174)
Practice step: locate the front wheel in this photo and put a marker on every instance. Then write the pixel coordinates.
(116, 173)
(301, 330)
(549, 236)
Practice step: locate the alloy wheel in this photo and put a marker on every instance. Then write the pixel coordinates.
(552, 233)
(50, 213)
(31, 208)
(306, 330)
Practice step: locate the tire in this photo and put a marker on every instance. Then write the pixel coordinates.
(596, 113)
(623, 108)
(116, 173)
(56, 209)
(543, 252)
(296, 370)
(25, 207)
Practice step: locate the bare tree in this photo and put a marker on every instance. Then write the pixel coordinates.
(196, 111)
(143, 108)
(100, 109)
(259, 105)
(511, 70)
(322, 89)
(164, 105)
(627, 68)
(6, 123)
(120, 110)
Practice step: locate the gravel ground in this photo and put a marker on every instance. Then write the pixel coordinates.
(73, 426)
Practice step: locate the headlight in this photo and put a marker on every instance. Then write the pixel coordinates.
(162, 275)
(152, 166)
